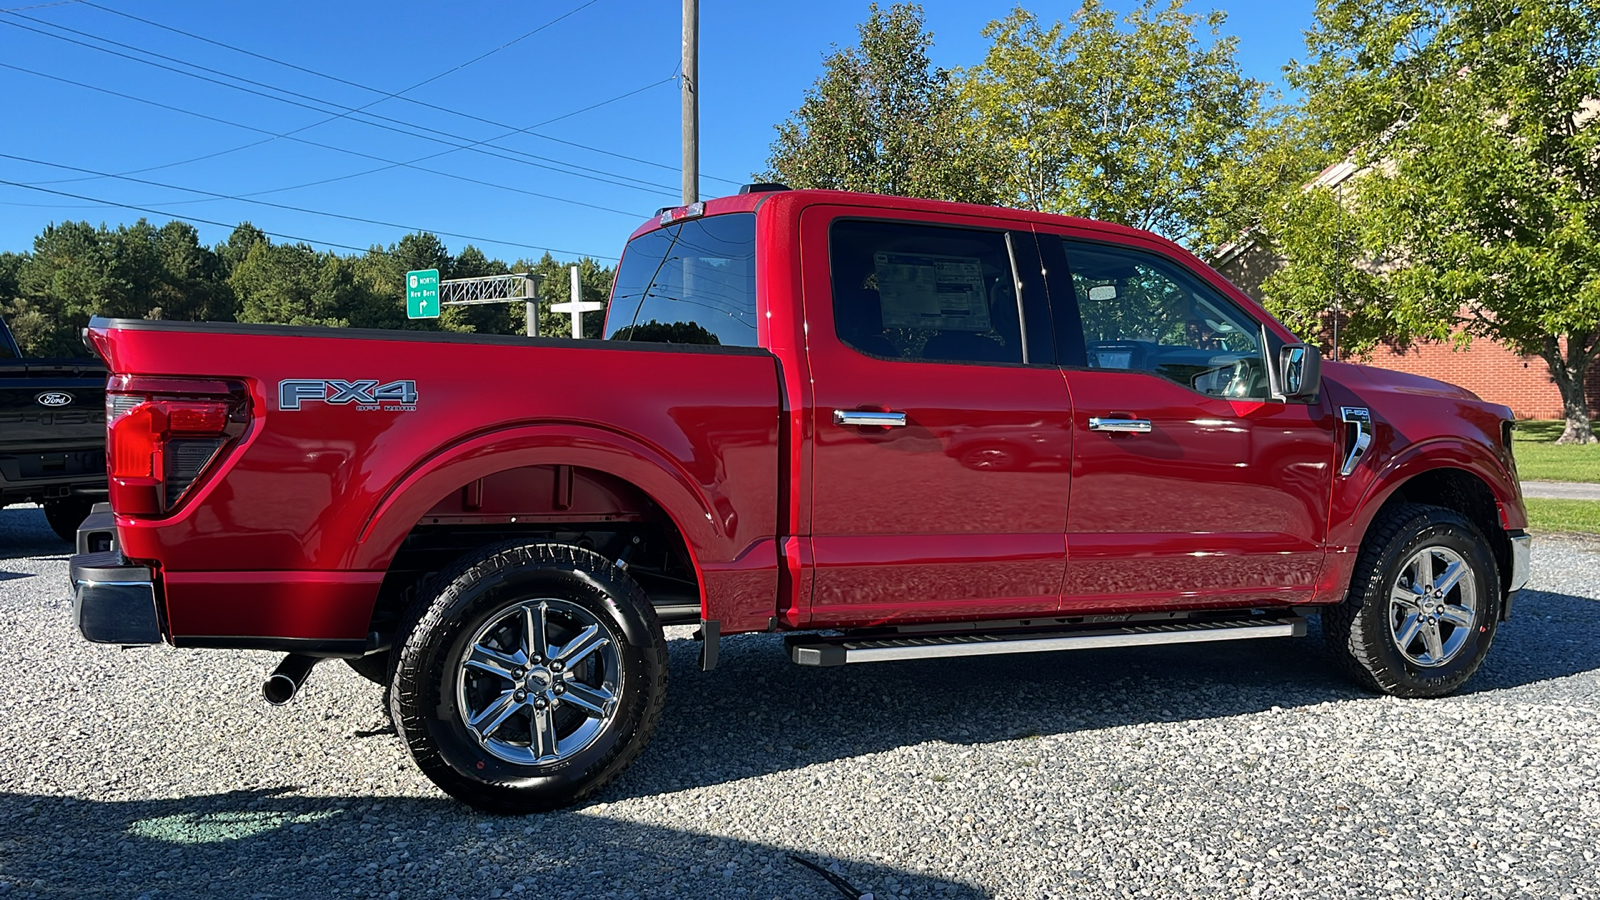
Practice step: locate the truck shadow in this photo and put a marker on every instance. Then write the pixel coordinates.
(758, 714)
(268, 843)
(24, 533)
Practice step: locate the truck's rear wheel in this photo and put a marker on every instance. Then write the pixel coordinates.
(1423, 604)
(533, 677)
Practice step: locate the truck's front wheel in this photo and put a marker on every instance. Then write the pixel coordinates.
(1423, 604)
(534, 676)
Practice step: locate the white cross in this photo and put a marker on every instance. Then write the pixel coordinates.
(576, 310)
(575, 307)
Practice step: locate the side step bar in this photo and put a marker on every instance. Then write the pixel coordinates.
(815, 650)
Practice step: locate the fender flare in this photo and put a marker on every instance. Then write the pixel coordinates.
(1426, 456)
(659, 476)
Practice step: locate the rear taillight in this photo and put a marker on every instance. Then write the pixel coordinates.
(162, 434)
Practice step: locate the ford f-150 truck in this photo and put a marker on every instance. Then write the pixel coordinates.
(52, 434)
(894, 429)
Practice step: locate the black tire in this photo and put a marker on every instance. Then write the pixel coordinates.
(374, 667)
(432, 689)
(65, 515)
(1366, 631)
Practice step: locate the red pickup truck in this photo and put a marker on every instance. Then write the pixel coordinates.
(895, 429)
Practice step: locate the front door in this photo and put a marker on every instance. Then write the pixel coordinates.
(1192, 486)
(941, 425)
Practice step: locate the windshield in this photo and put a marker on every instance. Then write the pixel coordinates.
(690, 283)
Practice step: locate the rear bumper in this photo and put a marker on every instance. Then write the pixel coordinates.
(52, 475)
(114, 602)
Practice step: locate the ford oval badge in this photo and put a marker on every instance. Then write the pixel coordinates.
(54, 398)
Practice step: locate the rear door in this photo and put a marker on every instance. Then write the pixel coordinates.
(942, 425)
(1192, 486)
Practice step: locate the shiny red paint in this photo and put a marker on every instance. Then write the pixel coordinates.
(949, 517)
(329, 489)
(1224, 502)
(996, 501)
(1420, 426)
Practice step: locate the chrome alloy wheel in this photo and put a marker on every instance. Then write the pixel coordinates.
(1433, 606)
(539, 681)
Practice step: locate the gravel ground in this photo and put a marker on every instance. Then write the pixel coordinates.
(1246, 770)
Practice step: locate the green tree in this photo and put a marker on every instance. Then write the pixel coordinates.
(78, 271)
(1476, 212)
(882, 119)
(1147, 123)
(292, 284)
(191, 282)
(237, 246)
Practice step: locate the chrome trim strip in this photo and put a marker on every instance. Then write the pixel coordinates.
(869, 418)
(1075, 642)
(1360, 417)
(1521, 560)
(1120, 426)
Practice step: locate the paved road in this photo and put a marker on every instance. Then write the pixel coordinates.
(1561, 490)
(1247, 770)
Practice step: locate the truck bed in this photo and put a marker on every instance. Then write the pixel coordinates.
(291, 533)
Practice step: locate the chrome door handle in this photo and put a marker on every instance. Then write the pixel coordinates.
(869, 417)
(1361, 418)
(1122, 426)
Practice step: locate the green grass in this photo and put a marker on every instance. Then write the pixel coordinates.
(1563, 515)
(1539, 458)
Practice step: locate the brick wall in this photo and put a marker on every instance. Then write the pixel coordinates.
(1485, 368)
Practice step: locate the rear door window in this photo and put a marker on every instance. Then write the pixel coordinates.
(689, 283)
(920, 292)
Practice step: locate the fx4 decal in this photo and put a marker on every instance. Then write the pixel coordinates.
(365, 393)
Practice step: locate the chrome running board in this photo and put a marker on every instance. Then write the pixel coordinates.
(816, 650)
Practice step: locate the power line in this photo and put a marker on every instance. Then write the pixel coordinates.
(40, 6)
(411, 163)
(386, 96)
(407, 128)
(311, 143)
(291, 237)
(298, 209)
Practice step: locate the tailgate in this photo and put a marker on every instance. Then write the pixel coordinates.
(51, 404)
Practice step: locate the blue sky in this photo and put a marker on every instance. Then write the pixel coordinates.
(577, 181)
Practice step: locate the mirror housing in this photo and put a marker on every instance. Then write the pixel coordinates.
(1297, 376)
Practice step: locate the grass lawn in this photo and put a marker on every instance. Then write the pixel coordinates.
(1540, 459)
(1563, 515)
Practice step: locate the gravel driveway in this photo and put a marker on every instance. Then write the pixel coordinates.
(1242, 770)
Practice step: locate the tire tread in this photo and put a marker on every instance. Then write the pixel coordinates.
(428, 613)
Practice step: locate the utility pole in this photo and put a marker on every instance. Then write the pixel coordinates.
(691, 101)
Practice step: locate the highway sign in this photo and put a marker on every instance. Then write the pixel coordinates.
(422, 294)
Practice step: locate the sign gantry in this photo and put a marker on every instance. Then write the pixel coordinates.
(426, 294)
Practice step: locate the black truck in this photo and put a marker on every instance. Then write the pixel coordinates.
(52, 434)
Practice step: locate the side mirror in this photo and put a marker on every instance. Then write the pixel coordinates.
(1299, 375)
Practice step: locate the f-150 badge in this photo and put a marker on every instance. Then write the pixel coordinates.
(366, 393)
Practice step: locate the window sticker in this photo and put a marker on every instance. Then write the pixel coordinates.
(924, 290)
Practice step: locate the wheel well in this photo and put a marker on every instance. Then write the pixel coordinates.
(1468, 495)
(551, 504)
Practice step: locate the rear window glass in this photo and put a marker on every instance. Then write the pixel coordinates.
(690, 283)
(924, 292)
